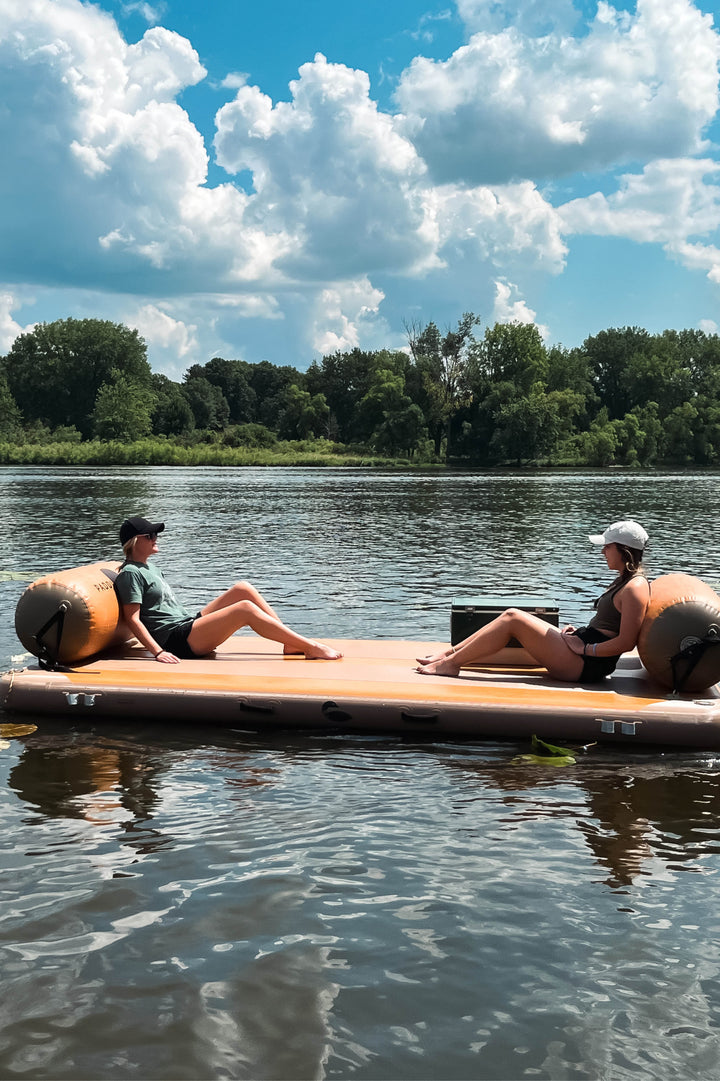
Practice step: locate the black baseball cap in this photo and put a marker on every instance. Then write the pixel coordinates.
(135, 527)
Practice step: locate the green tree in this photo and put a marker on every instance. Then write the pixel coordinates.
(172, 414)
(305, 414)
(385, 396)
(10, 415)
(208, 404)
(642, 435)
(707, 440)
(680, 428)
(345, 379)
(529, 426)
(249, 435)
(490, 401)
(442, 366)
(269, 383)
(609, 355)
(231, 376)
(65, 434)
(657, 375)
(401, 432)
(55, 371)
(122, 410)
(700, 353)
(568, 370)
(510, 353)
(600, 443)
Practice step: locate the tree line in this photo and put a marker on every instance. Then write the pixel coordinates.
(500, 396)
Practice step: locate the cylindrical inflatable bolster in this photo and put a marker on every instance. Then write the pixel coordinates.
(683, 610)
(92, 616)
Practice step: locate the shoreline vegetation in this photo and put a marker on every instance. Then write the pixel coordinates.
(307, 454)
(81, 392)
(164, 452)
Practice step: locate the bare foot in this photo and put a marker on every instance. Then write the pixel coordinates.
(319, 652)
(443, 667)
(289, 652)
(433, 657)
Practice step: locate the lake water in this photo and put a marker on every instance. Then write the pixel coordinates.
(196, 902)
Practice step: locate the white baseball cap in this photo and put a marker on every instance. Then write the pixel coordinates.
(627, 532)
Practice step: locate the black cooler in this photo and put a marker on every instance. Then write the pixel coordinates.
(469, 614)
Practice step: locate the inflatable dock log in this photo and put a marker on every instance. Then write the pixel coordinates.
(67, 616)
(679, 640)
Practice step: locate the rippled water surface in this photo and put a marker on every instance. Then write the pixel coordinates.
(207, 903)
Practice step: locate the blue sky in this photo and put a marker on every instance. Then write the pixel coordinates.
(277, 181)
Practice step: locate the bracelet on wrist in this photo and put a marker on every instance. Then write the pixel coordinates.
(158, 653)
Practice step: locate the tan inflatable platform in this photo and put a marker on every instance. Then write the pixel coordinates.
(250, 684)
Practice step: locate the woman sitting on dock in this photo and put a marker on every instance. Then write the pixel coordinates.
(169, 631)
(582, 655)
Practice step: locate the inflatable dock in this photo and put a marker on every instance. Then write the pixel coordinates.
(248, 683)
(666, 693)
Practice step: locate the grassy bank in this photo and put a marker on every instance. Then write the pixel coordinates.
(165, 452)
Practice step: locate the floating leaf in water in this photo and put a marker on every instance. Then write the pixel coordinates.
(13, 731)
(549, 750)
(545, 760)
(546, 754)
(17, 576)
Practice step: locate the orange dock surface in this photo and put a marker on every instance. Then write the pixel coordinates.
(248, 683)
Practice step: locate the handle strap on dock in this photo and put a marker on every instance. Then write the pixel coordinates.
(47, 655)
(689, 656)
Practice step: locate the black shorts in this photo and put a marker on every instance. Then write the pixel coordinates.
(177, 641)
(595, 668)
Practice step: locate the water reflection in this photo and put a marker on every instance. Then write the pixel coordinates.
(639, 818)
(305, 905)
(645, 817)
(83, 776)
(647, 821)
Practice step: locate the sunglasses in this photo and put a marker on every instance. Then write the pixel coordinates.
(150, 536)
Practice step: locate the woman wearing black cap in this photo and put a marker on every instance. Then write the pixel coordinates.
(169, 631)
(585, 654)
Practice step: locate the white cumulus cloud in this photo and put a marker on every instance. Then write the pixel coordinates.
(675, 203)
(9, 328)
(353, 211)
(508, 106)
(510, 307)
(506, 225)
(341, 313)
(160, 329)
(331, 171)
(537, 17)
(98, 145)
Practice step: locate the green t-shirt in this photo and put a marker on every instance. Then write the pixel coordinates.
(160, 610)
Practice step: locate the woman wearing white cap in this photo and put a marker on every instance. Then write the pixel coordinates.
(163, 626)
(585, 654)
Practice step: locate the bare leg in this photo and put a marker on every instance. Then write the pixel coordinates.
(215, 626)
(542, 641)
(240, 591)
(244, 591)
